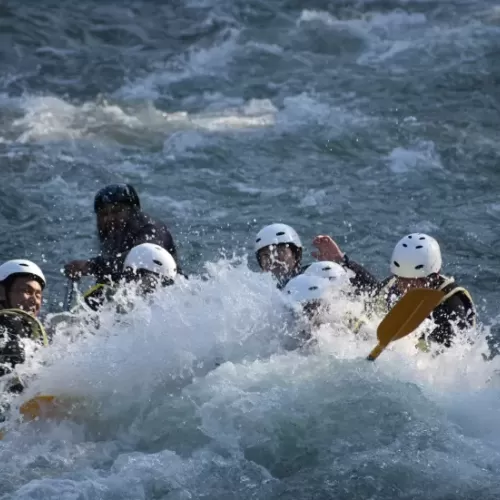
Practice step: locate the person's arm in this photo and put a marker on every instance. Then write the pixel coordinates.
(107, 267)
(363, 280)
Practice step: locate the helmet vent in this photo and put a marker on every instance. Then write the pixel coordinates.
(419, 246)
(257, 240)
(409, 237)
(157, 262)
(23, 264)
(419, 266)
(281, 233)
(405, 245)
(422, 238)
(396, 264)
(313, 288)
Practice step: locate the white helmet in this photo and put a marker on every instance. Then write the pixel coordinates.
(276, 234)
(416, 256)
(305, 288)
(20, 267)
(152, 258)
(327, 269)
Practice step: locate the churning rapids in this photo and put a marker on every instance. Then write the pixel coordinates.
(362, 119)
(193, 396)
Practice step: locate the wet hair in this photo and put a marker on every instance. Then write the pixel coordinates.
(116, 194)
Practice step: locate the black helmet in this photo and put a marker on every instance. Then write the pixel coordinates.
(116, 194)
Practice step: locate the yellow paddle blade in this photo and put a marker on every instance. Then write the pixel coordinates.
(43, 407)
(405, 317)
(39, 406)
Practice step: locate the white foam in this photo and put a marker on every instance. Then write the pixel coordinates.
(385, 34)
(159, 410)
(53, 119)
(197, 61)
(421, 156)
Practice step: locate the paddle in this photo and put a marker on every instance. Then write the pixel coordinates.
(71, 285)
(44, 407)
(38, 406)
(405, 317)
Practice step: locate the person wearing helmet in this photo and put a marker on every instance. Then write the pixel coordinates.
(21, 292)
(278, 250)
(311, 295)
(338, 276)
(147, 264)
(416, 263)
(329, 270)
(315, 289)
(121, 225)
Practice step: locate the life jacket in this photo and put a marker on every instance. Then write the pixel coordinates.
(37, 331)
(353, 322)
(450, 288)
(100, 294)
(384, 300)
(95, 296)
(34, 330)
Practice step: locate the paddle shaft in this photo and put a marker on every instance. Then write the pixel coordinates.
(379, 348)
(70, 293)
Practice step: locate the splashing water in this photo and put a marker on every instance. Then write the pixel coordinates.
(193, 396)
(361, 119)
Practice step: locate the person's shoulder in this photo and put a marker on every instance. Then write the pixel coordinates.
(147, 220)
(14, 322)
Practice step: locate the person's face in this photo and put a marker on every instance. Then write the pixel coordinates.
(26, 293)
(277, 259)
(111, 217)
(147, 281)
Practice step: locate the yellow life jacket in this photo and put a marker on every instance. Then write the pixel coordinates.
(380, 302)
(353, 322)
(95, 296)
(37, 329)
(450, 289)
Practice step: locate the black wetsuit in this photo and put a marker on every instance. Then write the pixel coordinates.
(362, 281)
(139, 228)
